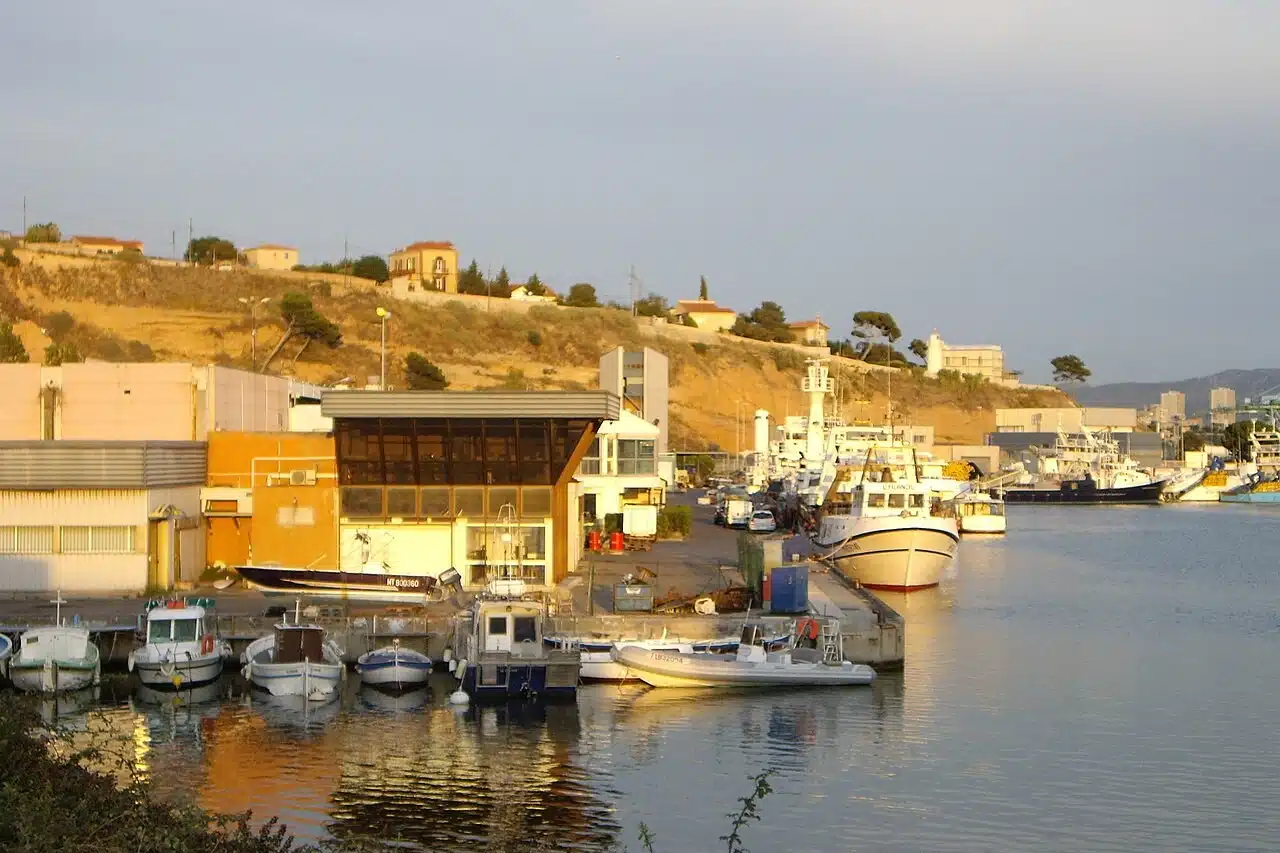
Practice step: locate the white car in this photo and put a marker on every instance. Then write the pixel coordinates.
(762, 521)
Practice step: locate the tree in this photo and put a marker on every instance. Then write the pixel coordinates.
(919, 349)
(582, 295)
(11, 349)
(304, 321)
(502, 284)
(372, 267)
(1192, 440)
(653, 305)
(766, 323)
(208, 250)
(46, 232)
(702, 288)
(63, 352)
(1069, 368)
(471, 280)
(535, 287)
(58, 325)
(1235, 438)
(871, 324)
(422, 375)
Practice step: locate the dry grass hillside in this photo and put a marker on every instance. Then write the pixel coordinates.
(137, 311)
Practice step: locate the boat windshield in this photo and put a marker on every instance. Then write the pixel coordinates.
(525, 628)
(185, 630)
(158, 629)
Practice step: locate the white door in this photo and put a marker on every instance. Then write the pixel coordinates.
(497, 634)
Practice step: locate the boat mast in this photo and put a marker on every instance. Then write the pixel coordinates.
(57, 613)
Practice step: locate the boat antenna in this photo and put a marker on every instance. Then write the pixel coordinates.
(58, 602)
(297, 612)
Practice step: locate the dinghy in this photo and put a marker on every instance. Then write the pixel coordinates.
(55, 658)
(394, 667)
(295, 660)
(181, 647)
(597, 654)
(813, 659)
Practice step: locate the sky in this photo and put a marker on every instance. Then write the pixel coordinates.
(1055, 176)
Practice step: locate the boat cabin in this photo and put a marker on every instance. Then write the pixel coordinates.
(175, 621)
(296, 643)
(511, 627)
(974, 507)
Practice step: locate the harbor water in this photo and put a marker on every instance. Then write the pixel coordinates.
(1101, 679)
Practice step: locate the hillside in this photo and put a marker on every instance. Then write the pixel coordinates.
(1247, 383)
(138, 311)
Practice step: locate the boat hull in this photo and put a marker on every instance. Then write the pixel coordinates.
(1147, 493)
(1251, 498)
(982, 524)
(664, 669)
(501, 682)
(901, 554)
(338, 584)
(182, 675)
(596, 657)
(63, 677)
(392, 669)
(312, 680)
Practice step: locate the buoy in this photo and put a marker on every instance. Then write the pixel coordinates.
(459, 697)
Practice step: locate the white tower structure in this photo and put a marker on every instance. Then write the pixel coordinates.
(817, 384)
(760, 470)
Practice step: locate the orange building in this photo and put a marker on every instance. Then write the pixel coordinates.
(271, 497)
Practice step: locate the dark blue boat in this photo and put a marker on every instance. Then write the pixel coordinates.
(500, 653)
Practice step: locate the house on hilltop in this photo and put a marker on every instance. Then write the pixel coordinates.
(705, 314)
(520, 293)
(985, 360)
(812, 333)
(271, 256)
(429, 265)
(103, 245)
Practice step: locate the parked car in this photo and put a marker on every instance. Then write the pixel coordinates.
(762, 521)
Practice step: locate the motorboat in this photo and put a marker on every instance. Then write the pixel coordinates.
(814, 659)
(597, 654)
(394, 667)
(181, 647)
(55, 658)
(372, 582)
(6, 651)
(295, 660)
(889, 532)
(498, 651)
(979, 512)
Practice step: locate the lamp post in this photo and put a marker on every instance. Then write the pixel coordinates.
(384, 315)
(253, 304)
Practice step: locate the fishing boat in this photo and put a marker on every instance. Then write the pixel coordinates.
(394, 667)
(1181, 483)
(979, 512)
(1262, 484)
(597, 654)
(497, 652)
(55, 658)
(295, 660)
(814, 659)
(372, 583)
(889, 532)
(1088, 469)
(181, 648)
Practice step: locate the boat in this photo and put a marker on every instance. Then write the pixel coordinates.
(1088, 469)
(372, 583)
(1215, 484)
(1181, 483)
(295, 660)
(597, 654)
(394, 667)
(498, 653)
(979, 512)
(814, 659)
(890, 532)
(6, 651)
(181, 648)
(55, 658)
(1262, 484)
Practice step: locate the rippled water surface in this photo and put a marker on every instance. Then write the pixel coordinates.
(1101, 679)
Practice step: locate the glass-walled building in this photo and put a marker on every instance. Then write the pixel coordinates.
(474, 480)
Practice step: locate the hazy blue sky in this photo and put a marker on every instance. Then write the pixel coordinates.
(1095, 177)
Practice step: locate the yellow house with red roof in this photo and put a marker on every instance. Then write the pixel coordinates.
(103, 245)
(705, 314)
(433, 265)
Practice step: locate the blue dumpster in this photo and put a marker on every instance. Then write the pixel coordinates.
(789, 589)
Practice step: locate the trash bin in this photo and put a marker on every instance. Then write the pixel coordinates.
(632, 598)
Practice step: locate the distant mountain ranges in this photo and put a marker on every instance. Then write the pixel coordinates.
(1247, 383)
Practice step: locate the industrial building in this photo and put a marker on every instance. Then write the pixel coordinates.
(1066, 419)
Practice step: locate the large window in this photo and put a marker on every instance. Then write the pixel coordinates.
(97, 540)
(397, 451)
(26, 540)
(591, 462)
(636, 456)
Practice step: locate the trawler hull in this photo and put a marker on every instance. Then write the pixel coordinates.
(900, 554)
(1075, 493)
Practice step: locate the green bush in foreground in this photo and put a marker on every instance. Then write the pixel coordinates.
(675, 521)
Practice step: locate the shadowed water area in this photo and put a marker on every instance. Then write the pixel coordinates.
(1101, 679)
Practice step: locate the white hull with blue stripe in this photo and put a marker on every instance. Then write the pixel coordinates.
(393, 666)
(315, 679)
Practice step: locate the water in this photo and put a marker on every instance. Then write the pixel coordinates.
(1101, 679)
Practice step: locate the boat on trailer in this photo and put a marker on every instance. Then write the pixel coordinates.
(814, 658)
(295, 660)
(181, 648)
(394, 667)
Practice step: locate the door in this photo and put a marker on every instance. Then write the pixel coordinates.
(497, 635)
(161, 543)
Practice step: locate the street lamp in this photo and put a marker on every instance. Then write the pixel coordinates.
(253, 303)
(384, 315)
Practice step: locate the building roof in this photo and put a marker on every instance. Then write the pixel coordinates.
(628, 425)
(809, 324)
(424, 246)
(278, 247)
(101, 241)
(596, 405)
(700, 306)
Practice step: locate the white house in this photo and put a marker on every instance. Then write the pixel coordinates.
(621, 467)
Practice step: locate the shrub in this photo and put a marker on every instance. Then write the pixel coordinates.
(138, 351)
(786, 359)
(11, 349)
(675, 521)
(701, 348)
(9, 259)
(422, 375)
(61, 353)
(59, 324)
(535, 338)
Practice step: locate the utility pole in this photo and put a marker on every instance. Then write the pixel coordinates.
(346, 265)
(384, 315)
(173, 245)
(191, 236)
(488, 288)
(24, 217)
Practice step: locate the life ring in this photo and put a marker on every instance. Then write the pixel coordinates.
(807, 628)
(207, 643)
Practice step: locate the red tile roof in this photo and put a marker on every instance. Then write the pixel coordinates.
(701, 306)
(97, 241)
(809, 324)
(275, 246)
(424, 246)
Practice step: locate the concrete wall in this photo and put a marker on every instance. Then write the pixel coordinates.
(20, 390)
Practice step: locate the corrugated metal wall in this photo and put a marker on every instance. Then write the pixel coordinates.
(175, 466)
(93, 465)
(249, 402)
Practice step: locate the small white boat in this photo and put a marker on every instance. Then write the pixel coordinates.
(295, 660)
(55, 658)
(815, 658)
(979, 512)
(597, 654)
(182, 649)
(394, 667)
(6, 651)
